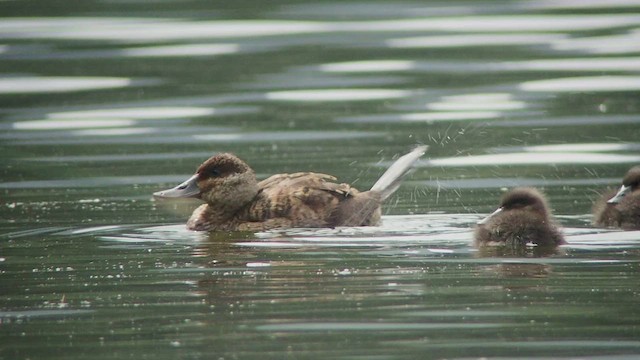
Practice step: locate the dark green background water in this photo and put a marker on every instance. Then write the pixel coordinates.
(104, 102)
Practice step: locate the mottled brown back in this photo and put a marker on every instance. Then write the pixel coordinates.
(311, 200)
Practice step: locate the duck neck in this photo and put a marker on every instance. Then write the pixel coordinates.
(228, 214)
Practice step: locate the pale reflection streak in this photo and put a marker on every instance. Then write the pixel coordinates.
(610, 44)
(508, 23)
(337, 95)
(528, 158)
(120, 117)
(192, 136)
(586, 147)
(578, 4)
(137, 113)
(583, 84)
(185, 50)
(369, 66)
(478, 102)
(91, 182)
(59, 84)
(182, 50)
(70, 124)
(113, 132)
(568, 121)
(150, 30)
(473, 40)
(617, 64)
(427, 117)
(122, 157)
(503, 182)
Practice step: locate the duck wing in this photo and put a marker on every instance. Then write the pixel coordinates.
(307, 199)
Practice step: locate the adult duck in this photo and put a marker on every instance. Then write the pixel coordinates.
(236, 201)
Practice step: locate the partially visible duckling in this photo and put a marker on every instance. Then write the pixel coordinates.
(621, 209)
(235, 200)
(523, 217)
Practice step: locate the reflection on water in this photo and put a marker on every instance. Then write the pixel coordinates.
(503, 182)
(590, 147)
(613, 44)
(577, 4)
(70, 124)
(337, 95)
(188, 50)
(147, 30)
(428, 117)
(139, 113)
(40, 84)
(617, 64)
(586, 83)
(103, 103)
(473, 40)
(530, 158)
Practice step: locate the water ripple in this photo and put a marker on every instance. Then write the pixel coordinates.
(583, 84)
(60, 84)
(504, 182)
(206, 135)
(337, 95)
(373, 326)
(527, 158)
(473, 40)
(428, 117)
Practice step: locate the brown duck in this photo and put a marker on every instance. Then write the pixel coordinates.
(235, 200)
(621, 209)
(522, 217)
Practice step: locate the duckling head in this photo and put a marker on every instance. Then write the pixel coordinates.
(527, 199)
(223, 181)
(630, 183)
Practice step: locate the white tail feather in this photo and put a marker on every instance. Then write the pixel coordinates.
(391, 179)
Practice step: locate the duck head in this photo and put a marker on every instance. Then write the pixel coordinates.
(528, 199)
(630, 183)
(222, 181)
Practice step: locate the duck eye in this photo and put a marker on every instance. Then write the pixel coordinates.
(213, 172)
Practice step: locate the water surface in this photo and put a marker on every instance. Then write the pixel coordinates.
(106, 102)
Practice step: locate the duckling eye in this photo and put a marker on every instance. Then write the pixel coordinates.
(213, 172)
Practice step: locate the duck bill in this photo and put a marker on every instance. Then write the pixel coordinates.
(486, 220)
(188, 189)
(621, 193)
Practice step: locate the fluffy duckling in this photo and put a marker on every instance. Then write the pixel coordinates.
(523, 217)
(236, 201)
(621, 209)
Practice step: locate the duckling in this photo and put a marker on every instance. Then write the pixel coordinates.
(236, 201)
(621, 209)
(523, 217)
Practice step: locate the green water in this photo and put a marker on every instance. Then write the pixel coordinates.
(103, 103)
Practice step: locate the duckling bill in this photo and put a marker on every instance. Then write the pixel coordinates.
(622, 208)
(522, 217)
(236, 201)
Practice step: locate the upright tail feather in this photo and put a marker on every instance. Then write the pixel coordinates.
(391, 179)
(364, 208)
